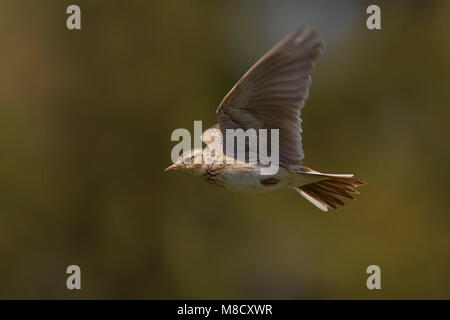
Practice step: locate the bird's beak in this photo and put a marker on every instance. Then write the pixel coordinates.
(172, 167)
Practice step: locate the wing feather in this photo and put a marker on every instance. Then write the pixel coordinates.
(271, 94)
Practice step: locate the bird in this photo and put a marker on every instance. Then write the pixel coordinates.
(271, 95)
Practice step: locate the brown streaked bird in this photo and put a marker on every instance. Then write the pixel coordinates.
(270, 96)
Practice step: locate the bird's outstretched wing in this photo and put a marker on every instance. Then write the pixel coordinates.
(271, 94)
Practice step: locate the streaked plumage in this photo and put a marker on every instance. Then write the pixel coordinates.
(270, 96)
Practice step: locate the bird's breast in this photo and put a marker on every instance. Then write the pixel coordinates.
(246, 178)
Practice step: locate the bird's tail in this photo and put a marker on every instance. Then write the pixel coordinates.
(329, 192)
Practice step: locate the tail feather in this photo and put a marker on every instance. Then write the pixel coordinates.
(327, 193)
(340, 186)
(324, 196)
(335, 190)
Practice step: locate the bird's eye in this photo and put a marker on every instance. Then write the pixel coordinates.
(188, 160)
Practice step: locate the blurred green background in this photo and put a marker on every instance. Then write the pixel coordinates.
(85, 124)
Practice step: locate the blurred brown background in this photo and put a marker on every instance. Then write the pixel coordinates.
(85, 124)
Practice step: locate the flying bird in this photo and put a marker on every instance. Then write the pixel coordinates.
(270, 96)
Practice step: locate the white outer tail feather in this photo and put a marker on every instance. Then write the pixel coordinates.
(331, 175)
(315, 202)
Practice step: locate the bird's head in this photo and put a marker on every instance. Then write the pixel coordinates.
(190, 161)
